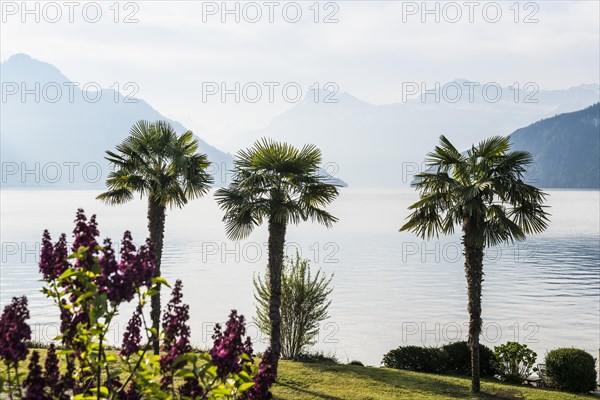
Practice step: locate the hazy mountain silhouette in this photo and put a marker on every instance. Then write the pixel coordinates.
(384, 145)
(55, 134)
(565, 148)
(367, 144)
(65, 124)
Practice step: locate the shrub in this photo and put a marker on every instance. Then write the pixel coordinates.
(415, 358)
(304, 304)
(514, 361)
(356, 362)
(317, 356)
(457, 359)
(572, 370)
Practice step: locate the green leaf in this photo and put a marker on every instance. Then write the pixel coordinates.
(244, 376)
(221, 391)
(185, 373)
(245, 386)
(84, 297)
(161, 280)
(187, 357)
(68, 273)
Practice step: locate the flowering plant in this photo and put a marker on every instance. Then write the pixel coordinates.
(88, 284)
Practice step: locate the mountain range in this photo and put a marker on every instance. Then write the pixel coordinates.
(565, 149)
(365, 144)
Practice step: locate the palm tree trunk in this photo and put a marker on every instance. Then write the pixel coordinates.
(474, 274)
(276, 243)
(156, 226)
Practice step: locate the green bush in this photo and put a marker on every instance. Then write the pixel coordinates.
(572, 370)
(356, 362)
(304, 305)
(317, 356)
(514, 361)
(415, 358)
(457, 359)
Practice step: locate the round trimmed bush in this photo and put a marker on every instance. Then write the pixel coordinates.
(415, 358)
(571, 370)
(457, 359)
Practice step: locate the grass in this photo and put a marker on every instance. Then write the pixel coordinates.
(327, 380)
(318, 381)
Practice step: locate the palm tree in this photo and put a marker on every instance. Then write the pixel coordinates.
(483, 192)
(154, 161)
(275, 182)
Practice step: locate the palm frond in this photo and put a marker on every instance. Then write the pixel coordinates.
(277, 181)
(483, 187)
(153, 160)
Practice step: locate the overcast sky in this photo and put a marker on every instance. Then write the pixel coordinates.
(177, 48)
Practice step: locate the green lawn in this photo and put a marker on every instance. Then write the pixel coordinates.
(308, 381)
(325, 380)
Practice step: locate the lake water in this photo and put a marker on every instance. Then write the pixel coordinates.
(390, 288)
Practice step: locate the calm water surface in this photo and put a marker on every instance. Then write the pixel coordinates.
(390, 288)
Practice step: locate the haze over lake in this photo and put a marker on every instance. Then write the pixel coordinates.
(390, 288)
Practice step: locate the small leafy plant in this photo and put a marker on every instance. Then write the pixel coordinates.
(304, 305)
(514, 361)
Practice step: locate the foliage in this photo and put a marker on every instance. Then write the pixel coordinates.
(277, 182)
(88, 285)
(453, 358)
(154, 161)
(415, 358)
(514, 361)
(304, 304)
(317, 357)
(484, 185)
(457, 359)
(357, 363)
(569, 369)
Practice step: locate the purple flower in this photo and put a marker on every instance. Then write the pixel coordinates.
(118, 280)
(52, 374)
(46, 263)
(228, 345)
(264, 379)
(67, 380)
(14, 331)
(35, 382)
(53, 258)
(131, 393)
(132, 336)
(68, 325)
(61, 253)
(67, 329)
(135, 269)
(146, 257)
(51, 365)
(176, 335)
(110, 281)
(85, 236)
(191, 388)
